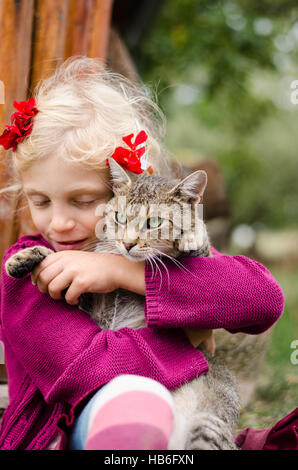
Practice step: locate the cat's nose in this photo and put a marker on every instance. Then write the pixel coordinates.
(128, 246)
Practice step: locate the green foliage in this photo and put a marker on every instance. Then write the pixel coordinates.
(276, 393)
(233, 56)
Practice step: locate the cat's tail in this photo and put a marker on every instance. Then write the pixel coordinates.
(211, 433)
(218, 409)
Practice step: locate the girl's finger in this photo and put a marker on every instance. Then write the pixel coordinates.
(59, 284)
(44, 277)
(48, 261)
(73, 293)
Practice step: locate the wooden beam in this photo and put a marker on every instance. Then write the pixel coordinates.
(50, 29)
(79, 26)
(100, 27)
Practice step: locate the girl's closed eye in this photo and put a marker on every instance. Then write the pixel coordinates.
(39, 203)
(77, 202)
(85, 202)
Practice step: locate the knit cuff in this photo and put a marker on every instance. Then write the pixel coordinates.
(153, 285)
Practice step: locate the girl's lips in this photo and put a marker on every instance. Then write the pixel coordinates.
(70, 245)
(72, 242)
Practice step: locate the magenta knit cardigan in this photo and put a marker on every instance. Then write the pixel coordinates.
(56, 356)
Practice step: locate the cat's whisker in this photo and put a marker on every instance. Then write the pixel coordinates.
(158, 259)
(148, 257)
(108, 245)
(180, 265)
(154, 261)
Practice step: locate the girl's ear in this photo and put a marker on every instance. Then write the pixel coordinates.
(192, 187)
(118, 175)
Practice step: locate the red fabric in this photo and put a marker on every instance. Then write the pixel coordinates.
(282, 436)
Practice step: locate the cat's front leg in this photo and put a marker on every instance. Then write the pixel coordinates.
(23, 262)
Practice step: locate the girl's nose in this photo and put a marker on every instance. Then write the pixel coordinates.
(61, 222)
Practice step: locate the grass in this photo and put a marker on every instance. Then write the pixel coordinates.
(277, 391)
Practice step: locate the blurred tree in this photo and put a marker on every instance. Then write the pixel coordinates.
(204, 57)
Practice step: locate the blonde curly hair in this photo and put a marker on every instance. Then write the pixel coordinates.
(84, 111)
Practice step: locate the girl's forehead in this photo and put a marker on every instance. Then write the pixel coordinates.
(58, 172)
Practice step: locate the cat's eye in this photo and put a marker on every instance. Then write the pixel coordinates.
(120, 218)
(154, 222)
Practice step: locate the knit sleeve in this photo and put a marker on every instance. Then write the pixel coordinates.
(231, 292)
(67, 356)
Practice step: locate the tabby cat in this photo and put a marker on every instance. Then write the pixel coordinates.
(206, 408)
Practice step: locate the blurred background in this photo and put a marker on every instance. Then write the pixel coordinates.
(224, 74)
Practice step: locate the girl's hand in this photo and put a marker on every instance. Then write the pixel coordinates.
(203, 337)
(80, 272)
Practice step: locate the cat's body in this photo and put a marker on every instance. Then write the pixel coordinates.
(207, 408)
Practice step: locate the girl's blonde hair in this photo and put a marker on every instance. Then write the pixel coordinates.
(84, 111)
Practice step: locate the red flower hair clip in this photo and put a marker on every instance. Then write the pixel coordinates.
(130, 158)
(21, 124)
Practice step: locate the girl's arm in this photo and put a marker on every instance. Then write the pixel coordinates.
(67, 356)
(231, 292)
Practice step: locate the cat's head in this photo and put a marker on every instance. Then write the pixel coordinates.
(149, 214)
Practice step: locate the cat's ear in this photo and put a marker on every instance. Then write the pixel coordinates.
(118, 175)
(192, 187)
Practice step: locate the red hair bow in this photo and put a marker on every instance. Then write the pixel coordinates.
(130, 159)
(21, 124)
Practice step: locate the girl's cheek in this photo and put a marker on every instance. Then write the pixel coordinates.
(39, 220)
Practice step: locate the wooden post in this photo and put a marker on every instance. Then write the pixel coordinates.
(79, 26)
(100, 27)
(49, 37)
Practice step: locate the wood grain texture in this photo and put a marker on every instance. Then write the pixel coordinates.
(49, 41)
(79, 27)
(100, 27)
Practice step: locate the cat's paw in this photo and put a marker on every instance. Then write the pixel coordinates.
(23, 262)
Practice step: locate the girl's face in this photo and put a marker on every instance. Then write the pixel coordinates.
(63, 197)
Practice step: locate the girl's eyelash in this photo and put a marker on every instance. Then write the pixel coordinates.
(81, 203)
(40, 203)
(84, 202)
